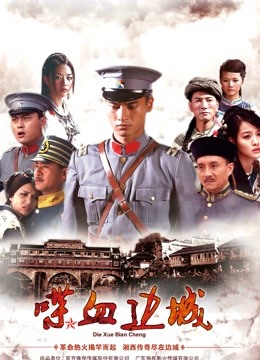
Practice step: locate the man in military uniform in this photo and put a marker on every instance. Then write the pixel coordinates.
(217, 204)
(128, 185)
(50, 171)
(27, 111)
(204, 95)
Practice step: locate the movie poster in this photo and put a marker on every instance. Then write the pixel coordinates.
(66, 299)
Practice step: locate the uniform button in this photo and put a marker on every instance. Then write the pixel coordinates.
(122, 187)
(205, 217)
(119, 212)
(152, 198)
(122, 159)
(209, 204)
(90, 196)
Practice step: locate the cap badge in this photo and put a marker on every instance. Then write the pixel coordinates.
(20, 104)
(45, 147)
(120, 84)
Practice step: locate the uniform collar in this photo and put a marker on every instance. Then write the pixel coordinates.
(27, 150)
(51, 199)
(214, 197)
(131, 148)
(127, 149)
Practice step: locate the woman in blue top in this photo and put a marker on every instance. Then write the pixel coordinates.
(232, 75)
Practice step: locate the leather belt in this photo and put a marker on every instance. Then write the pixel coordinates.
(117, 187)
(16, 155)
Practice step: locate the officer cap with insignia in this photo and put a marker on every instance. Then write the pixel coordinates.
(213, 145)
(127, 83)
(55, 149)
(26, 102)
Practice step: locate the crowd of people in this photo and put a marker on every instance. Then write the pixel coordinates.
(128, 185)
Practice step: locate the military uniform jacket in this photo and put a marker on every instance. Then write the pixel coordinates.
(226, 208)
(45, 222)
(158, 191)
(7, 162)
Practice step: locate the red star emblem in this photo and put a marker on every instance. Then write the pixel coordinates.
(71, 323)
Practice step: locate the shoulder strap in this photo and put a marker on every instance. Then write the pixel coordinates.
(117, 187)
(16, 155)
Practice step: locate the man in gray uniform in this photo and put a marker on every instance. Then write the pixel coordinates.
(128, 185)
(218, 206)
(27, 121)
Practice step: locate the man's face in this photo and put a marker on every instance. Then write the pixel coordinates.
(49, 177)
(27, 128)
(204, 106)
(128, 118)
(213, 172)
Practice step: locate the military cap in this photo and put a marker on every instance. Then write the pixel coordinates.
(213, 145)
(127, 83)
(203, 84)
(55, 149)
(26, 102)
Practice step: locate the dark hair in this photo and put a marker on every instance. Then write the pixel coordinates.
(49, 68)
(16, 180)
(235, 66)
(233, 118)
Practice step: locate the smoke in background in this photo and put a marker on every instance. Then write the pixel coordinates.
(182, 39)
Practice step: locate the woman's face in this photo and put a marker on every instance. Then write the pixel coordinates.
(25, 199)
(61, 83)
(248, 141)
(231, 83)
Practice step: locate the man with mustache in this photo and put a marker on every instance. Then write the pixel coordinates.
(50, 171)
(27, 112)
(204, 95)
(217, 203)
(128, 185)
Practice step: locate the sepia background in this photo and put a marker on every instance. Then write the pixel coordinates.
(180, 38)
